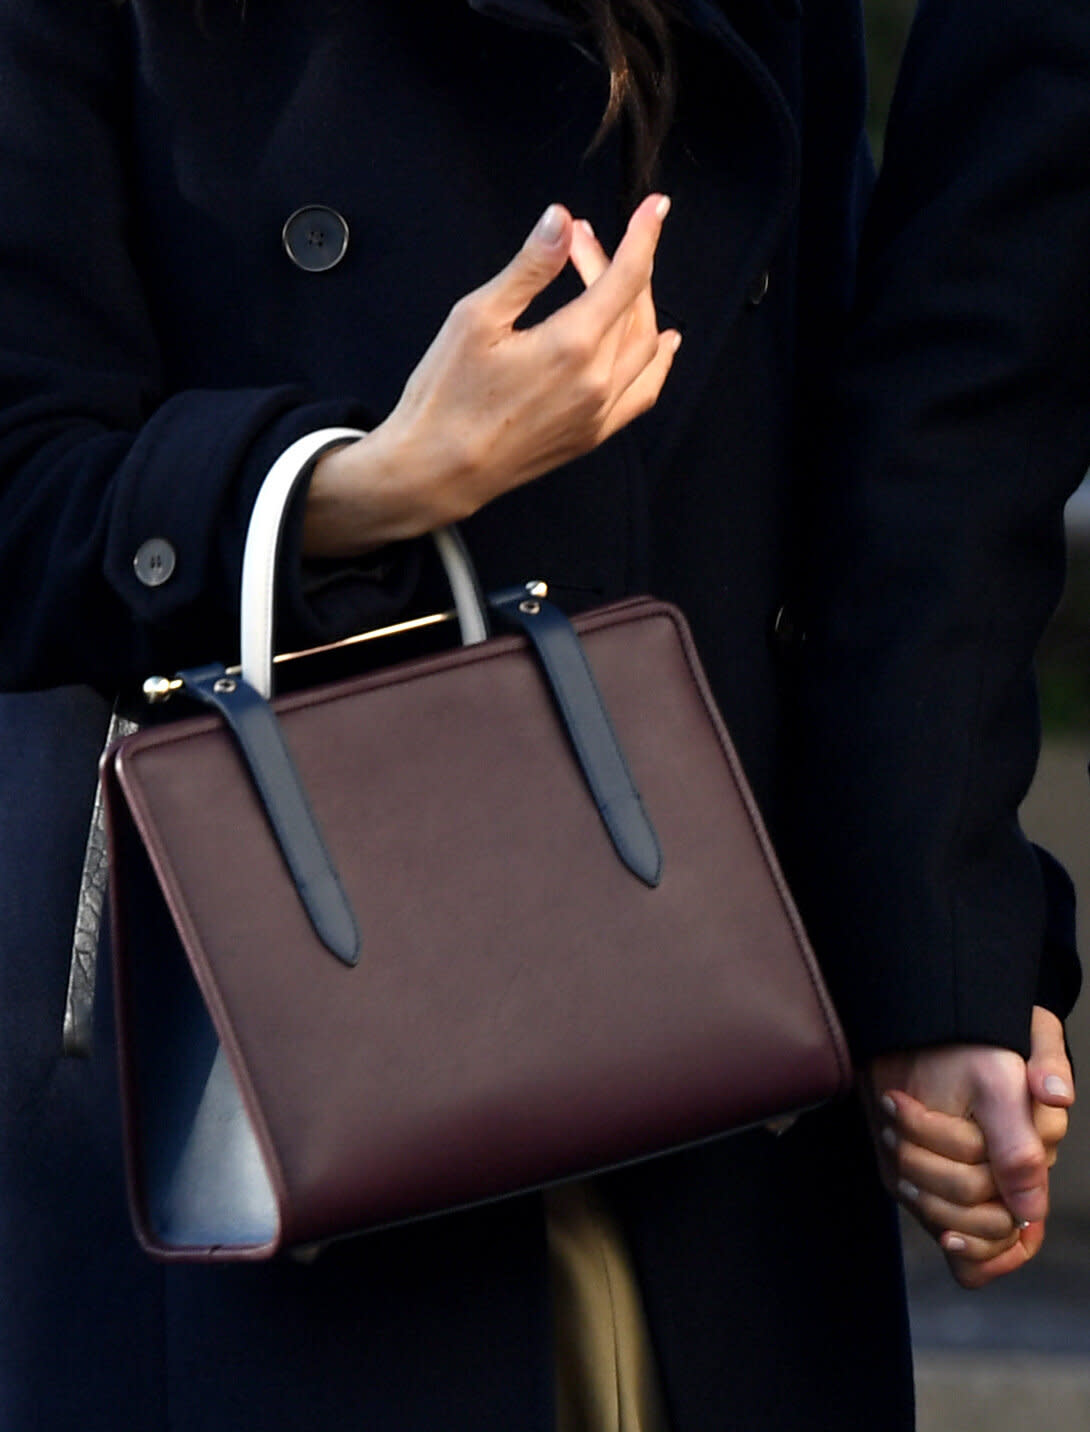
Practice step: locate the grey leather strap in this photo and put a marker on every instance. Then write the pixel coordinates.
(80, 998)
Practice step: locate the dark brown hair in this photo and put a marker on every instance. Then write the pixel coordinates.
(633, 38)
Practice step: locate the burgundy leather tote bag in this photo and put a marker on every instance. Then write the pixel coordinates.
(470, 925)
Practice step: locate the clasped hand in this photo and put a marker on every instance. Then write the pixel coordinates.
(491, 406)
(966, 1136)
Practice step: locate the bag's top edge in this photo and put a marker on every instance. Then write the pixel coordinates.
(628, 609)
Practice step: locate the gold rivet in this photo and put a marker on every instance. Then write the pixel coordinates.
(531, 609)
(157, 688)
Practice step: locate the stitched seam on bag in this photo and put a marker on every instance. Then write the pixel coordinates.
(757, 825)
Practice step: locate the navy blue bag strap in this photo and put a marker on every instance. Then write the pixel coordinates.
(589, 728)
(254, 726)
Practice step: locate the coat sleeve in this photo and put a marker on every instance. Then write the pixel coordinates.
(97, 456)
(958, 424)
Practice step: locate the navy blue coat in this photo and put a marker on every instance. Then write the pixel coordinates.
(899, 497)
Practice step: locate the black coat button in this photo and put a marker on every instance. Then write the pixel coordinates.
(155, 561)
(315, 238)
(786, 630)
(757, 289)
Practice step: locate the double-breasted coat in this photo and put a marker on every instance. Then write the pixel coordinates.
(858, 510)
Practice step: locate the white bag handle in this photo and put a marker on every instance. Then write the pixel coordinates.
(262, 549)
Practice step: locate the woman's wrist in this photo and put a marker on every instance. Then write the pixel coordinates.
(358, 498)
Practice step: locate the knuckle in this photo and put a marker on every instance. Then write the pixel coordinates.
(902, 1157)
(967, 1275)
(655, 386)
(996, 1224)
(976, 1185)
(648, 349)
(637, 270)
(593, 392)
(466, 317)
(1001, 1073)
(645, 399)
(1025, 1163)
(575, 347)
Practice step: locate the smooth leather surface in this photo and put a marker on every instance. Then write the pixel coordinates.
(524, 1010)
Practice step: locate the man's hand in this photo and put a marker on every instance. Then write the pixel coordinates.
(966, 1136)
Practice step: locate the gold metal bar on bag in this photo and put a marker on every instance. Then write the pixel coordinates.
(162, 688)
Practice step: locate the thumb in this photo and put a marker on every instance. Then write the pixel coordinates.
(1016, 1153)
(1048, 1069)
(537, 263)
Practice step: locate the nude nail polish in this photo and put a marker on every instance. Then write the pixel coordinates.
(551, 224)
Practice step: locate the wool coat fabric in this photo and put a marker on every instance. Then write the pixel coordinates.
(857, 506)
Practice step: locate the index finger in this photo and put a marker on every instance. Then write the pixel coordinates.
(628, 273)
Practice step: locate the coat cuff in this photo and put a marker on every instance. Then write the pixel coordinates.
(1060, 976)
(187, 490)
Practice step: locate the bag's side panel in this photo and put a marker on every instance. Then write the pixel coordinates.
(196, 1174)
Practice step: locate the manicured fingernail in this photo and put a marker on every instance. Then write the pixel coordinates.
(587, 227)
(675, 341)
(908, 1190)
(1057, 1086)
(954, 1244)
(551, 224)
(889, 1104)
(662, 208)
(889, 1138)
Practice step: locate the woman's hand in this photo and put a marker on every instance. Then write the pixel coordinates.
(966, 1136)
(491, 406)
